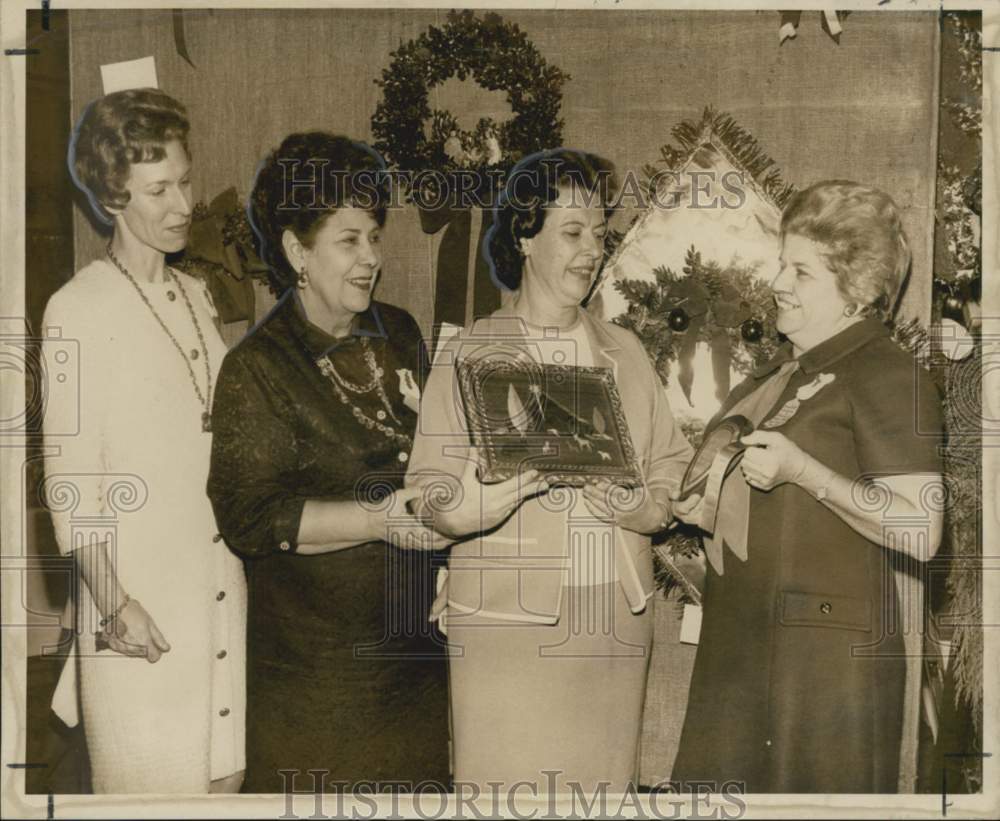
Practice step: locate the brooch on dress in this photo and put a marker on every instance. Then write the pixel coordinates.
(409, 389)
(789, 409)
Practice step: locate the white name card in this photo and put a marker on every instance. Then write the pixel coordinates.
(139, 73)
(691, 624)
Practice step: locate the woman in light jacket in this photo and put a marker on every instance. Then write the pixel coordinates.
(549, 608)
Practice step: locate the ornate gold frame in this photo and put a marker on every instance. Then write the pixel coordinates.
(492, 442)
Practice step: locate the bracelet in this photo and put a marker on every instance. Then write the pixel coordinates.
(108, 619)
(822, 479)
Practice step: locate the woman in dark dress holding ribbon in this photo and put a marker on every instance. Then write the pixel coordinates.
(314, 418)
(799, 679)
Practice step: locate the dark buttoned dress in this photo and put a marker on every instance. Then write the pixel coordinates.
(345, 674)
(798, 680)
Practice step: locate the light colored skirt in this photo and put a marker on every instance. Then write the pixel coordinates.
(529, 698)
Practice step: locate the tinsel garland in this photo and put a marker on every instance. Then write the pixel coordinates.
(741, 146)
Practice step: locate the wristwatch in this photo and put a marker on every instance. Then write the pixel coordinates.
(824, 485)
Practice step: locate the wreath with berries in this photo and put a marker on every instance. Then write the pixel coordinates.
(498, 56)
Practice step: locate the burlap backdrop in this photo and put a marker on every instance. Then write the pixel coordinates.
(863, 109)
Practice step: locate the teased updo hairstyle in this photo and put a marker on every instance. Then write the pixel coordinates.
(861, 239)
(114, 132)
(301, 183)
(531, 185)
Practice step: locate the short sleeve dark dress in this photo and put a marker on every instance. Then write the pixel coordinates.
(344, 671)
(798, 679)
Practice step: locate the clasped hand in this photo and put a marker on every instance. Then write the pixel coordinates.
(398, 516)
(134, 633)
(646, 517)
(770, 459)
(476, 507)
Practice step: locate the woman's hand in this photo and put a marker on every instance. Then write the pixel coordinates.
(688, 510)
(405, 523)
(328, 526)
(134, 633)
(637, 510)
(481, 507)
(772, 459)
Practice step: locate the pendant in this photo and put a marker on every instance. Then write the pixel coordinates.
(206, 422)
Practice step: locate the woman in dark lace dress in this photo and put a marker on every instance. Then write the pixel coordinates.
(313, 422)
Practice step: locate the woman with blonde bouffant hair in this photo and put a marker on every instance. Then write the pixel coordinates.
(799, 679)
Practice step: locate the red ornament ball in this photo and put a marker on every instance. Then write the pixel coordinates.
(678, 320)
(953, 308)
(752, 330)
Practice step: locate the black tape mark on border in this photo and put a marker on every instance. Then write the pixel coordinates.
(945, 803)
(28, 766)
(20, 52)
(45, 15)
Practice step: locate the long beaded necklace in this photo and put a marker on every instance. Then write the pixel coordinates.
(341, 386)
(375, 382)
(373, 369)
(206, 416)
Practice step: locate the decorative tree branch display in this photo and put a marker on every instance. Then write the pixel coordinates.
(692, 280)
(730, 308)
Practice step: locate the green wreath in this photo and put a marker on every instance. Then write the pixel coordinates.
(498, 56)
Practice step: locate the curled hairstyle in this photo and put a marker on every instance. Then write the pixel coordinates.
(114, 132)
(301, 183)
(861, 239)
(533, 184)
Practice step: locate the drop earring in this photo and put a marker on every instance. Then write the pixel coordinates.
(303, 279)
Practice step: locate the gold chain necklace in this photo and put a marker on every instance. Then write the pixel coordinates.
(206, 416)
(327, 368)
(373, 369)
(326, 365)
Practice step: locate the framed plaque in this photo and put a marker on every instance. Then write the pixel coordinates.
(565, 422)
(723, 439)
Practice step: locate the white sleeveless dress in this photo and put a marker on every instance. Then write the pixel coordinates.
(128, 463)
